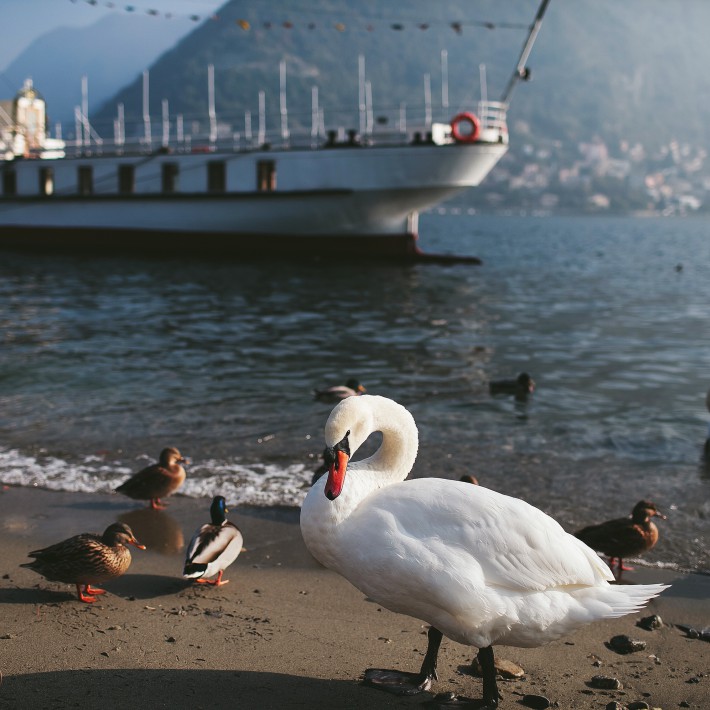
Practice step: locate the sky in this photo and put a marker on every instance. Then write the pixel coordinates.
(23, 21)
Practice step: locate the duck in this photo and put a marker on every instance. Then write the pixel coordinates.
(86, 559)
(213, 547)
(158, 480)
(336, 393)
(624, 537)
(522, 386)
(479, 567)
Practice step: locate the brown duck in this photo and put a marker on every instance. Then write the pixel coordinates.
(86, 559)
(157, 481)
(624, 537)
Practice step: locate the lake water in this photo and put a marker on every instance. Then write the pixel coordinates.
(106, 361)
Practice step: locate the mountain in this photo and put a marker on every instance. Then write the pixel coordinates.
(112, 52)
(631, 71)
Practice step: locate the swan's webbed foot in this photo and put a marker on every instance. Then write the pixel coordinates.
(401, 683)
(398, 682)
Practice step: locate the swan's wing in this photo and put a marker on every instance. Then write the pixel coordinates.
(477, 536)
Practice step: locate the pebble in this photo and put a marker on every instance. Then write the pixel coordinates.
(638, 705)
(650, 622)
(613, 705)
(537, 702)
(605, 682)
(505, 669)
(623, 644)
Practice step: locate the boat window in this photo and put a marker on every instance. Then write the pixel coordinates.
(126, 179)
(86, 180)
(170, 174)
(266, 176)
(216, 176)
(9, 182)
(46, 181)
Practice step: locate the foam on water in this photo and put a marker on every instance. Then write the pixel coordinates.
(256, 484)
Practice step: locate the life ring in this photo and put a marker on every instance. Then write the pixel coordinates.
(472, 120)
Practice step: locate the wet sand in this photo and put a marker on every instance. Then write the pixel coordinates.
(285, 632)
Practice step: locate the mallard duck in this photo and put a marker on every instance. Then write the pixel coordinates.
(86, 559)
(522, 386)
(336, 393)
(158, 480)
(213, 547)
(624, 537)
(482, 568)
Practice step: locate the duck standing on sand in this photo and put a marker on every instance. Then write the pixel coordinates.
(522, 386)
(481, 567)
(86, 559)
(336, 393)
(213, 547)
(158, 480)
(624, 537)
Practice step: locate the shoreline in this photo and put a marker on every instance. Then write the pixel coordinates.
(285, 632)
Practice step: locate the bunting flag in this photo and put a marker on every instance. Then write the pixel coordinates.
(457, 26)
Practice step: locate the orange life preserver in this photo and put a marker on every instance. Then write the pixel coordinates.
(469, 118)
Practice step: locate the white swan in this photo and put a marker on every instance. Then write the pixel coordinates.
(480, 567)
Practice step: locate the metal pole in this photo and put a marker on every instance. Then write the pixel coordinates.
(166, 123)
(444, 79)
(315, 115)
(211, 107)
(369, 118)
(146, 108)
(427, 100)
(86, 137)
(361, 90)
(262, 118)
(282, 101)
(520, 70)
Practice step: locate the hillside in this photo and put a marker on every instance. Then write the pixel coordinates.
(632, 70)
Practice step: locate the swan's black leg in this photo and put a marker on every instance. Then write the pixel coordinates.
(491, 697)
(401, 683)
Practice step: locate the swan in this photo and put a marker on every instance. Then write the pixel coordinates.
(480, 567)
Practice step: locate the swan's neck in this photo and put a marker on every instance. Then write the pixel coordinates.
(321, 518)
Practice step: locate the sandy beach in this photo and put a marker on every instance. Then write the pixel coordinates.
(284, 633)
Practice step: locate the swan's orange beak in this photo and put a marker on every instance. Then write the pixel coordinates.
(336, 475)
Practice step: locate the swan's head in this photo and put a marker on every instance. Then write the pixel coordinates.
(348, 425)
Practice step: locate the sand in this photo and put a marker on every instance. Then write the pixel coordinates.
(285, 632)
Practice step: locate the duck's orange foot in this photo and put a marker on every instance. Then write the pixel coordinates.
(93, 590)
(86, 598)
(155, 504)
(219, 582)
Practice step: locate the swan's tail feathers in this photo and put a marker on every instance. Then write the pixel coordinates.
(627, 598)
(193, 570)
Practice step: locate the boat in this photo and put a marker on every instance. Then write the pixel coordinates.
(333, 193)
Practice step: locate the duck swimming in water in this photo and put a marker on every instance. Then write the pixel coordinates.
(336, 393)
(213, 547)
(158, 480)
(522, 386)
(624, 537)
(481, 567)
(86, 559)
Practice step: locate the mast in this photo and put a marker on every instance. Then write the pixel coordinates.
(521, 71)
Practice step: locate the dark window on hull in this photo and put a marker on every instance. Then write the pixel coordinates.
(126, 179)
(9, 182)
(86, 180)
(170, 174)
(216, 176)
(266, 176)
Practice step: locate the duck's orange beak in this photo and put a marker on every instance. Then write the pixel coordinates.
(336, 475)
(137, 544)
(660, 515)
